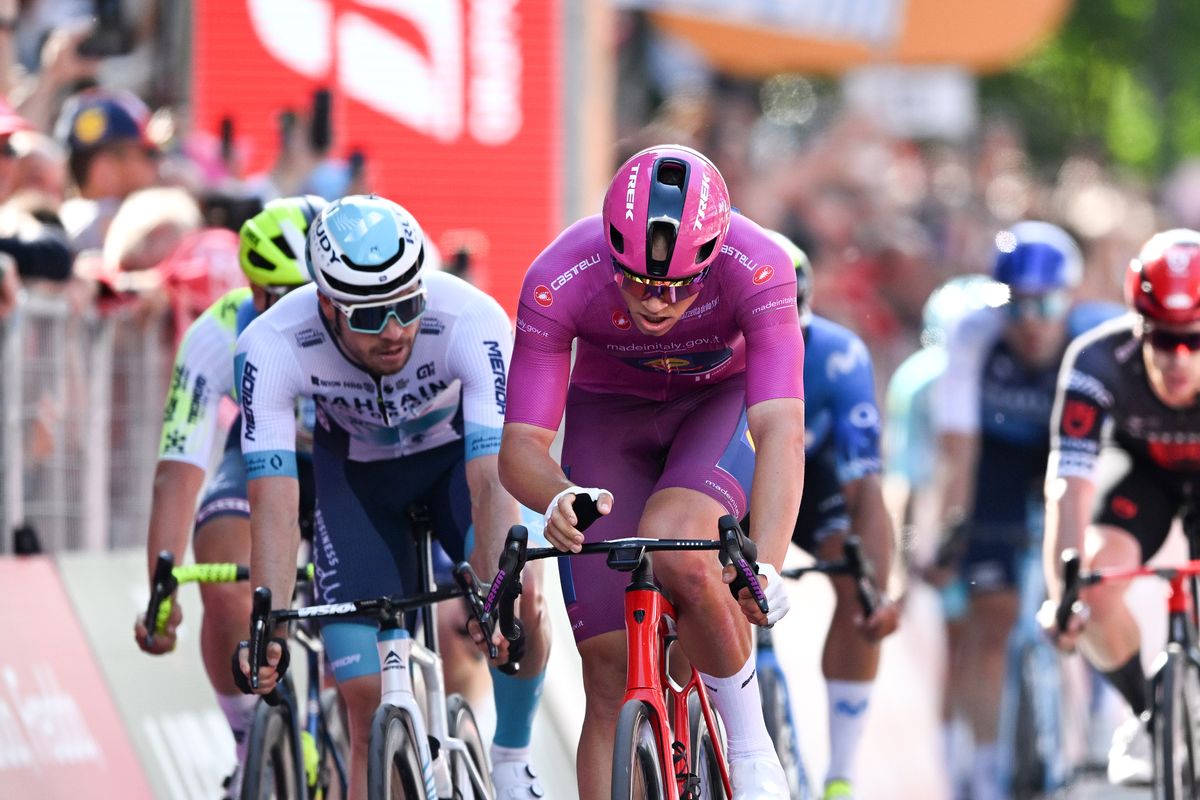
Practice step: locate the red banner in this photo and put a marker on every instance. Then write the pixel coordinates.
(60, 734)
(454, 104)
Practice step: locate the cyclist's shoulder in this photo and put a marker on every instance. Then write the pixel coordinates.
(826, 336)
(1089, 314)
(568, 272)
(296, 311)
(916, 374)
(750, 258)
(451, 298)
(1105, 347)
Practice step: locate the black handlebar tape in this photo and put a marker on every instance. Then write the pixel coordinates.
(864, 575)
(585, 510)
(162, 585)
(1071, 565)
(739, 550)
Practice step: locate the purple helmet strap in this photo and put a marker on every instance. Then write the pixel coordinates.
(668, 193)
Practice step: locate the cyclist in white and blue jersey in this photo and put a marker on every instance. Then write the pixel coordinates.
(843, 496)
(992, 415)
(408, 370)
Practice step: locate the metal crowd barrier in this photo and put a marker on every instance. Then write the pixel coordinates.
(81, 397)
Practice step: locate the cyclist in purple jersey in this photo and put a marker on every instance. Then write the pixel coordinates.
(1123, 465)
(689, 353)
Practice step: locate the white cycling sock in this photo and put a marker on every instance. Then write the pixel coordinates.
(985, 772)
(737, 700)
(848, 705)
(239, 713)
(502, 754)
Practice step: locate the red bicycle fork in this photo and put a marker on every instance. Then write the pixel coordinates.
(648, 679)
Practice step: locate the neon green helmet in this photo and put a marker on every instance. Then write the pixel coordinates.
(272, 241)
(804, 274)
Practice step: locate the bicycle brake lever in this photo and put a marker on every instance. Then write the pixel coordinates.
(162, 586)
(512, 562)
(739, 550)
(1071, 566)
(468, 581)
(864, 576)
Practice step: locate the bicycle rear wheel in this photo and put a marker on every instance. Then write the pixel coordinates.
(462, 725)
(706, 753)
(778, 717)
(1176, 713)
(272, 769)
(637, 771)
(393, 762)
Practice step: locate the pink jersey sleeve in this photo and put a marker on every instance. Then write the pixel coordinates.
(767, 317)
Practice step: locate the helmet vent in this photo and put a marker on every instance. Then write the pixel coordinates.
(706, 250)
(672, 173)
(616, 239)
(282, 243)
(258, 261)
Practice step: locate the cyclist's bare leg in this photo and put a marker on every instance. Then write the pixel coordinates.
(361, 696)
(604, 658)
(711, 628)
(848, 655)
(464, 667)
(223, 539)
(1112, 635)
(990, 618)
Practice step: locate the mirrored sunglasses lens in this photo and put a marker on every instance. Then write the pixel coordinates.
(373, 319)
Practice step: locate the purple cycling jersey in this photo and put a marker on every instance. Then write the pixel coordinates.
(742, 322)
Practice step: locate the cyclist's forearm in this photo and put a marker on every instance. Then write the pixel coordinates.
(777, 427)
(871, 523)
(1068, 512)
(274, 535)
(173, 510)
(526, 469)
(493, 511)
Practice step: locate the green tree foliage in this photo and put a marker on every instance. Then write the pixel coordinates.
(1122, 78)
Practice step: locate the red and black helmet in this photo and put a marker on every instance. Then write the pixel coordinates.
(1163, 282)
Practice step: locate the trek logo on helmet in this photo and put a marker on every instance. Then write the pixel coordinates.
(629, 191)
(702, 207)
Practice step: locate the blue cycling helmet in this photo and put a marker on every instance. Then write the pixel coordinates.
(1036, 258)
(953, 300)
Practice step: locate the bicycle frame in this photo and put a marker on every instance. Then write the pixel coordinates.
(650, 630)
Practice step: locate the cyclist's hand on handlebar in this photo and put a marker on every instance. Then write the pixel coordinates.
(562, 517)
(883, 620)
(772, 585)
(1065, 640)
(163, 641)
(269, 674)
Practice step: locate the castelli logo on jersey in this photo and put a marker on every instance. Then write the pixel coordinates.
(620, 321)
(703, 206)
(457, 69)
(543, 296)
(763, 274)
(629, 190)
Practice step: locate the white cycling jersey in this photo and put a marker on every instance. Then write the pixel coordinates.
(451, 389)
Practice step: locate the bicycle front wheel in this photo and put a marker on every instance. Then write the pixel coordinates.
(393, 760)
(470, 780)
(272, 767)
(637, 771)
(778, 718)
(1175, 720)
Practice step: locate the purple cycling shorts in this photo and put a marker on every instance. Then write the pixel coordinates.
(634, 447)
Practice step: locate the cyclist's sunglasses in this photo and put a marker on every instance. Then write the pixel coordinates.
(1051, 305)
(374, 318)
(1170, 341)
(670, 291)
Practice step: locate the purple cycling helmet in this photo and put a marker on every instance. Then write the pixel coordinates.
(672, 191)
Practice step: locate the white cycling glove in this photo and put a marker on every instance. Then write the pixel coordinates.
(592, 492)
(778, 603)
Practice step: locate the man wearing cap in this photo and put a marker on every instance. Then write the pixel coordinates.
(109, 156)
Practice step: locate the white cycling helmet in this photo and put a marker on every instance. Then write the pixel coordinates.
(365, 249)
